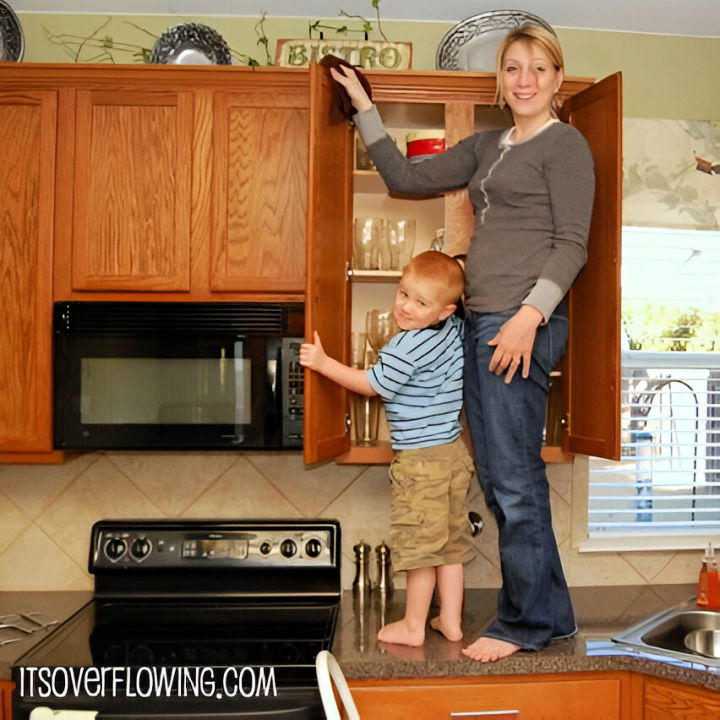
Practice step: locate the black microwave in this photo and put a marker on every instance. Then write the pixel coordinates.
(167, 375)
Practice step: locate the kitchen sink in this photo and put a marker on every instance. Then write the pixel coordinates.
(666, 633)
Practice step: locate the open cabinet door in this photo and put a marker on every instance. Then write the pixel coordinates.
(593, 357)
(327, 290)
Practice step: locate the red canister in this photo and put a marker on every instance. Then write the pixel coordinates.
(424, 143)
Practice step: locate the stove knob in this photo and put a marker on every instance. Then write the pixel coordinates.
(288, 548)
(114, 655)
(140, 548)
(140, 655)
(265, 548)
(313, 548)
(115, 548)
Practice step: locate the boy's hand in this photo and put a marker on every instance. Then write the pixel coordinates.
(349, 80)
(312, 355)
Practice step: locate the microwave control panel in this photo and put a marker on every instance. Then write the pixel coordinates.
(292, 400)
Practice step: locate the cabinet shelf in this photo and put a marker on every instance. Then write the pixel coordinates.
(374, 276)
(369, 181)
(382, 454)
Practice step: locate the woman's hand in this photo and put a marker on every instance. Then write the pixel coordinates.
(312, 355)
(514, 343)
(349, 80)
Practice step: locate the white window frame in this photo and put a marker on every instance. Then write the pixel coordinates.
(580, 538)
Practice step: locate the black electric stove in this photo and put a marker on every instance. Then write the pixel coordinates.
(194, 619)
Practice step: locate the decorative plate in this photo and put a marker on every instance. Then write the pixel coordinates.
(473, 42)
(12, 43)
(191, 44)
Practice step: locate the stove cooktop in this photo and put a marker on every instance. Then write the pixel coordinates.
(285, 635)
(253, 601)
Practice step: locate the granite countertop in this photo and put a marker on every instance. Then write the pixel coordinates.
(46, 607)
(601, 613)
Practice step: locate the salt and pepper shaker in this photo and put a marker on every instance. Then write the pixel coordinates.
(361, 583)
(384, 565)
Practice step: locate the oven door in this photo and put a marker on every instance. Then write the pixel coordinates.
(168, 390)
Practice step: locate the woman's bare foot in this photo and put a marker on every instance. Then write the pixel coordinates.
(450, 631)
(400, 634)
(487, 649)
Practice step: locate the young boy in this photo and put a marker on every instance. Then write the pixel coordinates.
(419, 377)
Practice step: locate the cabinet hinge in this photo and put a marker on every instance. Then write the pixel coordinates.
(348, 272)
(347, 422)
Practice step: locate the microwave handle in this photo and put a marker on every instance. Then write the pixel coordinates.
(273, 370)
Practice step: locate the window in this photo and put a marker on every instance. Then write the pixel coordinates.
(665, 492)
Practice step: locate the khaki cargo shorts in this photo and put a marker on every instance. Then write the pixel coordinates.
(429, 524)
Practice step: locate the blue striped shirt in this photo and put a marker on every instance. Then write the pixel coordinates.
(419, 377)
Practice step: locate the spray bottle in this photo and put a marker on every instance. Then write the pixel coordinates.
(708, 580)
(713, 585)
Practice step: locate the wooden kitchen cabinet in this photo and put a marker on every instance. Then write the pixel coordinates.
(198, 184)
(667, 700)
(139, 183)
(131, 209)
(6, 688)
(590, 388)
(327, 290)
(260, 189)
(136, 154)
(184, 184)
(575, 696)
(28, 120)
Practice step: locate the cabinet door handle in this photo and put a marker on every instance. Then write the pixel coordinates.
(497, 714)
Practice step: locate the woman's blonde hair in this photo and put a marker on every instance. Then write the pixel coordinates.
(531, 32)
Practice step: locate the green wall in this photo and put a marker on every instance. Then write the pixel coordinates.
(665, 76)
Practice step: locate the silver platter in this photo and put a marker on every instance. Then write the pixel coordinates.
(12, 42)
(473, 42)
(191, 44)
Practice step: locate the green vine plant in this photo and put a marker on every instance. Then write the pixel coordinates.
(99, 48)
(262, 40)
(367, 27)
(107, 47)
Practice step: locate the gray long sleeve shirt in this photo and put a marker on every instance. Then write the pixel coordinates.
(532, 200)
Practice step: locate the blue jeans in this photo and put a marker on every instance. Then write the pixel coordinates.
(506, 424)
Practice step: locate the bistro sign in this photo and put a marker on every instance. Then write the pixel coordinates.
(366, 54)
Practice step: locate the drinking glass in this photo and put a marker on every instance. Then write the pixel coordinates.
(368, 232)
(365, 417)
(380, 326)
(358, 346)
(400, 242)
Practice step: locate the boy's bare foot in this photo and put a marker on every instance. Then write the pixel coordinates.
(400, 634)
(451, 632)
(487, 649)
(406, 652)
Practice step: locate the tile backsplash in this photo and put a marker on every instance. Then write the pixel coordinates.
(46, 512)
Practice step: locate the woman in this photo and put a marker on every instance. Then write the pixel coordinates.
(532, 189)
